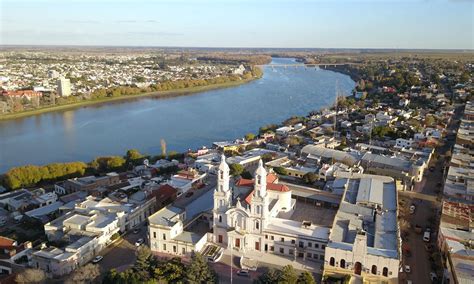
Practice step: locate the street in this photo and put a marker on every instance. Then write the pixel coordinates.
(426, 196)
(121, 255)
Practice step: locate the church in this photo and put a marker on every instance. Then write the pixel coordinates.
(255, 216)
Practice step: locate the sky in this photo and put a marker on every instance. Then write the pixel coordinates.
(421, 24)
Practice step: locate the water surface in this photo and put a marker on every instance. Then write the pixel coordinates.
(184, 122)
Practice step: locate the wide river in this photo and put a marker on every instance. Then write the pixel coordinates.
(184, 122)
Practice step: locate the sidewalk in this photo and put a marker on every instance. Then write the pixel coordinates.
(278, 261)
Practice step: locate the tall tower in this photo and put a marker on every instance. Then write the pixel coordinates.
(222, 194)
(260, 199)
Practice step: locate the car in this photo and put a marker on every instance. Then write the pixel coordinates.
(136, 230)
(139, 242)
(97, 259)
(407, 269)
(412, 209)
(426, 236)
(433, 276)
(243, 272)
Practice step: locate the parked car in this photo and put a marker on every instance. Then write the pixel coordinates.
(243, 272)
(97, 259)
(412, 208)
(426, 236)
(433, 276)
(139, 242)
(407, 269)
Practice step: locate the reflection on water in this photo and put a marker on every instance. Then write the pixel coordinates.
(184, 121)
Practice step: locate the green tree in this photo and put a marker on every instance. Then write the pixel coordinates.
(249, 136)
(144, 264)
(236, 169)
(306, 278)
(310, 178)
(280, 171)
(173, 271)
(288, 275)
(271, 276)
(115, 163)
(199, 271)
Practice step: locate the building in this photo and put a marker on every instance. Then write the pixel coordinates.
(64, 87)
(365, 238)
(22, 94)
(258, 219)
(88, 183)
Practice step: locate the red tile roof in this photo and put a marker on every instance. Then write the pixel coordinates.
(6, 242)
(271, 178)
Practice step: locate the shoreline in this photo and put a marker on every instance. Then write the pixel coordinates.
(157, 94)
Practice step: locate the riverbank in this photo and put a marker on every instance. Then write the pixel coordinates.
(159, 94)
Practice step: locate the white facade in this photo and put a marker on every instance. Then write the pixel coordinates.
(404, 143)
(257, 224)
(64, 87)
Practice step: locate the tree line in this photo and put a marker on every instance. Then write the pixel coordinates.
(30, 175)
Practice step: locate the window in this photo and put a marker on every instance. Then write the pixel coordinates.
(301, 244)
(282, 250)
(385, 271)
(183, 250)
(316, 246)
(221, 202)
(222, 174)
(257, 225)
(293, 242)
(272, 248)
(164, 237)
(257, 209)
(220, 219)
(374, 269)
(321, 257)
(331, 261)
(174, 249)
(266, 237)
(310, 244)
(323, 246)
(164, 246)
(272, 238)
(282, 239)
(154, 235)
(343, 263)
(291, 252)
(219, 239)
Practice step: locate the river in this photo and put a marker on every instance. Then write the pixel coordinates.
(184, 122)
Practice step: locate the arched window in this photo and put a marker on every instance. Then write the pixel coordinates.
(257, 225)
(258, 209)
(222, 174)
(385, 271)
(343, 263)
(221, 203)
(258, 179)
(331, 261)
(374, 269)
(220, 218)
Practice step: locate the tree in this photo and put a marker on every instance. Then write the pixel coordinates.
(310, 178)
(280, 170)
(133, 155)
(85, 274)
(246, 175)
(172, 271)
(31, 276)
(288, 275)
(199, 271)
(249, 136)
(144, 265)
(306, 278)
(271, 276)
(236, 169)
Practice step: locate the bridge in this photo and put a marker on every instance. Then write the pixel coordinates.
(323, 65)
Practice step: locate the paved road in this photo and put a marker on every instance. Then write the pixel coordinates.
(427, 199)
(121, 255)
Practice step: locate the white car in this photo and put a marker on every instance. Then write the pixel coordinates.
(407, 269)
(97, 259)
(412, 209)
(426, 236)
(139, 242)
(433, 276)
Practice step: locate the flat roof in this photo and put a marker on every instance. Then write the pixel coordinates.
(166, 216)
(290, 227)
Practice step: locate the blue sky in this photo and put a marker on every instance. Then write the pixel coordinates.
(437, 24)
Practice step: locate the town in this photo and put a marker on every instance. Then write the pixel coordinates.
(377, 188)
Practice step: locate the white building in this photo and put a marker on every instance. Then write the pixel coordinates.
(258, 220)
(64, 87)
(404, 143)
(365, 238)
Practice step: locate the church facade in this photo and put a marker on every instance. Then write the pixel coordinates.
(257, 218)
